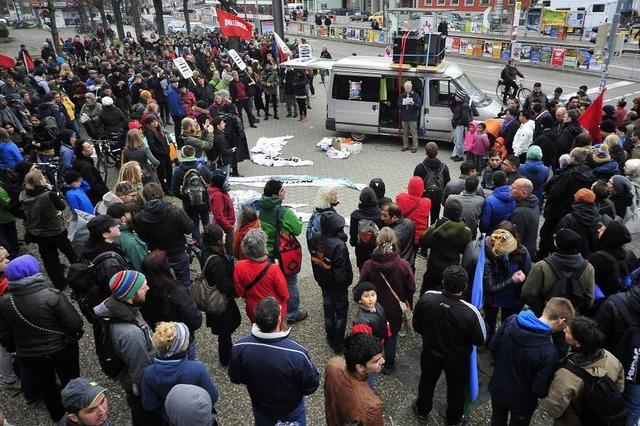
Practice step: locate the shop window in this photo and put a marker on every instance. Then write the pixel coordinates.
(455, 2)
(356, 88)
(441, 2)
(468, 2)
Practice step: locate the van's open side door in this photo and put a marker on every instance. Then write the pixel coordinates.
(309, 64)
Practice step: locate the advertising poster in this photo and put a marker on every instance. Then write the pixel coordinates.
(463, 46)
(448, 44)
(575, 20)
(479, 48)
(497, 49)
(470, 47)
(571, 58)
(557, 56)
(525, 53)
(506, 50)
(554, 17)
(584, 58)
(535, 54)
(455, 44)
(533, 19)
(488, 49)
(516, 51)
(545, 55)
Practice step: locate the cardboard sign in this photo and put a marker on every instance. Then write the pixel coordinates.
(237, 59)
(183, 67)
(304, 51)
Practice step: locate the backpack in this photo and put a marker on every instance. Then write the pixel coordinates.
(602, 403)
(193, 190)
(568, 287)
(110, 363)
(313, 227)
(367, 231)
(628, 348)
(620, 270)
(433, 182)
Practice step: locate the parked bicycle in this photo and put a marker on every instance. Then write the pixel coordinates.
(108, 152)
(521, 93)
(52, 170)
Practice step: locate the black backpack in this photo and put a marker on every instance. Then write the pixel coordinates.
(619, 269)
(433, 182)
(110, 363)
(568, 286)
(602, 403)
(628, 348)
(193, 190)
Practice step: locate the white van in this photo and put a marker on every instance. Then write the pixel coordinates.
(362, 95)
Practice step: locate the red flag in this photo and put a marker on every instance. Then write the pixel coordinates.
(592, 118)
(28, 62)
(7, 62)
(232, 25)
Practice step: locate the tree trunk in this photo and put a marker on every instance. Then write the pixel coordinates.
(137, 21)
(82, 13)
(99, 4)
(117, 16)
(157, 8)
(185, 10)
(55, 36)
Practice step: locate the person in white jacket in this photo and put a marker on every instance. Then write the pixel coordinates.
(524, 135)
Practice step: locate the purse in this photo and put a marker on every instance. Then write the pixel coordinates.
(209, 299)
(288, 250)
(67, 338)
(407, 313)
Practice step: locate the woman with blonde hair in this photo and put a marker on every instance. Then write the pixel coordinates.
(132, 172)
(616, 151)
(171, 367)
(395, 282)
(135, 150)
(45, 225)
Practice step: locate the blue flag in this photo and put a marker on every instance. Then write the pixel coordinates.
(476, 300)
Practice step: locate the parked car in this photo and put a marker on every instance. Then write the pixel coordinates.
(359, 16)
(342, 11)
(451, 17)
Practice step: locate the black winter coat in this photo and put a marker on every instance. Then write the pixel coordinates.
(177, 305)
(561, 188)
(204, 93)
(89, 172)
(370, 212)
(329, 254)
(612, 323)
(220, 272)
(112, 120)
(41, 305)
(172, 220)
(584, 220)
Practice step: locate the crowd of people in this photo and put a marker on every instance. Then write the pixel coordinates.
(560, 302)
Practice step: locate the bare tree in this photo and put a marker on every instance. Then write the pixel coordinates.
(99, 4)
(117, 16)
(137, 21)
(157, 8)
(55, 36)
(185, 10)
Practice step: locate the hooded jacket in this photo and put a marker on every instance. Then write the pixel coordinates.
(112, 119)
(41, 209)
(414, 206)
(131, 340)
(199, 144)
(524, 137)
(277, 371)
(177, 177)
(366, 212)
(42, 305)
(525, 361)
(67, 156)
(497, 207)
(329, 254)
(447, 240)
(566, 388)
(132, 246)
(604, 171)
(537, 173)
(380, 189)
(432, 163)
(239, 235)
(526, 217)
(77, 198)
(222, 208)
(541, 278)
(400, 276)
(612, 322)
(290, 223)
(159, 214)
(471, 209)
(585, 220)
(9, 155)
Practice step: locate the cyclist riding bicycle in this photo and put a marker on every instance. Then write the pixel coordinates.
(508, 75)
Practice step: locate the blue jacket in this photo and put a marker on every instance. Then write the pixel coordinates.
(78, 199)
(9, 155)
(175, 104)
(277, 371)
(526, 360)
(604, 171)
(410, 112)
(537, 173)
(67, 157)
(160, 377)
(497, 207)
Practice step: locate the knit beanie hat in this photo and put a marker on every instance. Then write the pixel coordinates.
(368, 197)
(534, 153)
(182, 336)
(621, 183)
(107, 101)
(584, 195)
(125, 284)
(601, 153)
(361, 288)
(22, 267)
(378, 187)
(151, 118)
(145, 94)
(503, 242)
(460, 94)
(567, 240)
(218, 180)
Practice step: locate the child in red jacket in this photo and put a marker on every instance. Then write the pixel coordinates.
(222, 208)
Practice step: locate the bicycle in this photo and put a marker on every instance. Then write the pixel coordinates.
(108, 152)
(521, 92)
(52, 170)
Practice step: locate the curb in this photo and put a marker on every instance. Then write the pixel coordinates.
(480, 58)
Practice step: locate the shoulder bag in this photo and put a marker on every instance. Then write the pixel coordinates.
(407, 313)
(208, 298)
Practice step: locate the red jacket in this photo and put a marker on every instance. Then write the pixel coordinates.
(272, 283)
(222, 208)
(4, 283)
(414, 206)
(239, 236)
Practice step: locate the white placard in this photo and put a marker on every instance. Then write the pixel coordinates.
(237, 59)
(304, 51)
(183, 67)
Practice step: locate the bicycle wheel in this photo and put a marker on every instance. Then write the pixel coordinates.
(103, 168)
(500, 88)
(522, 94)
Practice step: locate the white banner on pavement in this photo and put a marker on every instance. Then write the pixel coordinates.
(296, 180)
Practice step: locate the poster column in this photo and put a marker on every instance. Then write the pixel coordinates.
(515, 23)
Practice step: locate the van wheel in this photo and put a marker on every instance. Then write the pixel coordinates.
(358, 137)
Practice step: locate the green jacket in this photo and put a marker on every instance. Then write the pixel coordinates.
(132, 246)
(5, 216)
(447, 240)
(291, 224)
(218, 84)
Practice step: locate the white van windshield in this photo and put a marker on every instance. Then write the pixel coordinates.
(470, 89)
